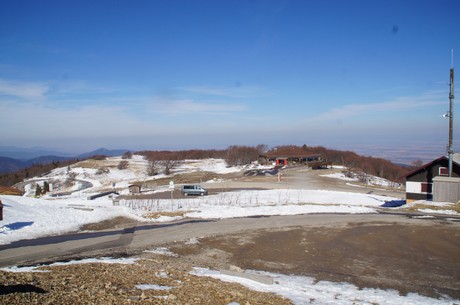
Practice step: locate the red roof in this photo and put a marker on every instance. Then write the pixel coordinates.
(289, 152)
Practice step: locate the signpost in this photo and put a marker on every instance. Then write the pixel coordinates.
(171, 188)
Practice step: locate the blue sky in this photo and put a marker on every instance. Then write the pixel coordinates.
(78, 75)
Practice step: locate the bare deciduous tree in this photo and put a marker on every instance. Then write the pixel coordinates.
(169, 165)
(240, 155)
(416, 163)
(102, 170)
(123, 164)
(262, 148)
(127, 155)
(152, 168)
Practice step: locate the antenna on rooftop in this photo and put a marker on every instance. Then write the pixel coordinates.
(451, 115)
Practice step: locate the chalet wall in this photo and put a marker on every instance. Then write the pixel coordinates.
(418, 196)
(446, 189)
(418, 191)
(413, 187)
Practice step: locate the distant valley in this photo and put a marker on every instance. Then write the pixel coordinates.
(14, 158)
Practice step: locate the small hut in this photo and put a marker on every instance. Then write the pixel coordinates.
(134, 189)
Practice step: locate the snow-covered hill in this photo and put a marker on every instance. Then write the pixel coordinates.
(103, 175)
(29, 217)
(66, 207)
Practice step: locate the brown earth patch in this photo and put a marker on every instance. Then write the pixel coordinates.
(408, 258)
(414, 208)
(114, 223)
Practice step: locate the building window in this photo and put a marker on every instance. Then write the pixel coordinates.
(426, 187)
(443, 171)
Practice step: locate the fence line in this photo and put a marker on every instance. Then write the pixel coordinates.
(222, 199)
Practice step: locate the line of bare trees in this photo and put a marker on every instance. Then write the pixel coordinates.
(35, 170)
(234, 155)
(241, 155)
(167, 160)
(370, 165)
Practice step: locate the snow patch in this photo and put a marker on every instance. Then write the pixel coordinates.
(152, 287)
(101, 260)
(162, 251)
(306, 290)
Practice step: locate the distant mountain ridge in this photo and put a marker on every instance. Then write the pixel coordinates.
(14, 158)
(103, 151)
(8, 165)
(24, 154)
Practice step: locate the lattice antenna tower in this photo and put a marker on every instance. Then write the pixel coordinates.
(451, 115)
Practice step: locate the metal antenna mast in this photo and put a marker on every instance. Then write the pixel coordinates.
(451, 115)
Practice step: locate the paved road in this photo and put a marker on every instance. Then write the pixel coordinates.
(83, 185)
(136, 238)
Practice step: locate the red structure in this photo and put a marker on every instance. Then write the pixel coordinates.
(293, 155)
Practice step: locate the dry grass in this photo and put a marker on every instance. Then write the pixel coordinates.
(90, 163)
(454, 207)
(156, 215)
(183, 178)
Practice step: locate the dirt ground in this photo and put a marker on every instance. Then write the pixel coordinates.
(422, 259)
(418, 258)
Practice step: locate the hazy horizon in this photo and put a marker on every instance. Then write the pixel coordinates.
(398, 153)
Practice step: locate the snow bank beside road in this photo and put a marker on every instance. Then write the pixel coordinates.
(232, 212)
(26, 218)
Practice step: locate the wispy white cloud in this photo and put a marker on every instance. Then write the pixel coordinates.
(80, 110)
(23, 90)
(374, 109)
(79, 87)
(191, 107)
(38, 121)
(392, 89)
(70, 95)
(110, 120)
(237, 91)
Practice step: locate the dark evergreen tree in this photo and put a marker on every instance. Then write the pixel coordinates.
(38, 191)
(46, 187)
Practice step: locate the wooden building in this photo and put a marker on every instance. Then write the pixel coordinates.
(134, 189)
(446, 189)
(294, 156)
(420, 182)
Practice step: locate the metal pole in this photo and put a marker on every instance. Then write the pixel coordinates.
(451, 115)
(171, 188)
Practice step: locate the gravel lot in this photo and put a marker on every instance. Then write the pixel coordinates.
(98, 283)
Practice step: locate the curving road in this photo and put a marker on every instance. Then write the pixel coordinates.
(133, 239)
(83, 185)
